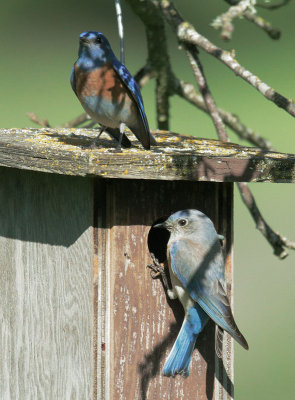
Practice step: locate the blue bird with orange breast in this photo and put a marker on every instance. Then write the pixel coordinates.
(107, 90)
(196, 269)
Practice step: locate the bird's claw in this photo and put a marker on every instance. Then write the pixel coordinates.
(156, 269)
(154, 275)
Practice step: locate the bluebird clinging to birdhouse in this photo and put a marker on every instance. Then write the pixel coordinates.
(196, 268)
(107, 90)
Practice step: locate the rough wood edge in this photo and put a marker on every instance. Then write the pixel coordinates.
(177, 157)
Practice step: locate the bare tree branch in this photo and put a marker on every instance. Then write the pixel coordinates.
(278, 242)
(274, 239)
(144, 75)
(245, 9)
(33, 117)
(158, 57)
(205, 91)
(224, 21)
(187, 34)
(273, 33)
(188, 92)
(178, 87)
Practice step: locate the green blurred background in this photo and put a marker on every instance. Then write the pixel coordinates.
(39, 43)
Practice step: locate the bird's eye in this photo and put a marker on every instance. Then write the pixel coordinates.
(182, 222)
(98, 40)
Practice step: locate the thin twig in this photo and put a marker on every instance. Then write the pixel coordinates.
(278, 242)
(187, 34)
(243, 9)
(144, 75)
(224, 21)
(205, 91)
(187, 92)
(273, 33)
(33, 117)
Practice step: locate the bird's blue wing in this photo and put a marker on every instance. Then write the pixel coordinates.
(73, 80)
(133, 89)
(200, 272)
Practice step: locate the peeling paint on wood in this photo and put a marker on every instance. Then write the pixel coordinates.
(177, 157)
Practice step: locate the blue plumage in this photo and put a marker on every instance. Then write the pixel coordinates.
(107, 90)
(196, 269)
(180, 356)
(131, 84)
(73, 80)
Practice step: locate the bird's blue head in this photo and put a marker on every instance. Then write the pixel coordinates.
(94, 49)
(188, 222)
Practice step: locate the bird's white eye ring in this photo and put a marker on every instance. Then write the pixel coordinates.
(182, 222)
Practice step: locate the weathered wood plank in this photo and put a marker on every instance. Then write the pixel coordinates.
(68, 151)
(138, 323)
(46, 286)
(224, 368)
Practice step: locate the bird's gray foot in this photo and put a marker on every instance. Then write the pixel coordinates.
(157, 271)
(95, 142)
(156, 268)
(122, 130)
(101, 129)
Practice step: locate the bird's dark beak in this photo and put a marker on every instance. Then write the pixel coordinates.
(84, 40)
(162, 225)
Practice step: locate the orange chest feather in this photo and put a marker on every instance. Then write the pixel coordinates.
(102, 82)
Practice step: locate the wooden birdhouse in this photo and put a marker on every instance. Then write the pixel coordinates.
(81, 317)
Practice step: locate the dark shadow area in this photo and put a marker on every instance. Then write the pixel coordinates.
(44, 208)
(150, 368)
(242, 164)
(92, 142)
(56, 209)
(158, 239)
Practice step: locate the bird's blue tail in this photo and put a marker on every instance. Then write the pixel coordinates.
(180, 356)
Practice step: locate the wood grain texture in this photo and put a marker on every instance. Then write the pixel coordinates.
(46, 271)
(139, 324)
(177, 157)
(224, 368)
